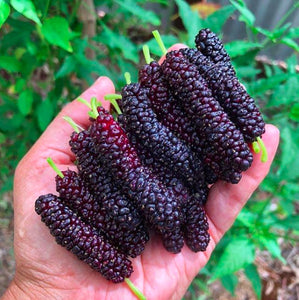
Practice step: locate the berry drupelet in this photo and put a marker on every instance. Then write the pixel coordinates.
(161, 210)
(77, 196)
(225, 150)
(82, 239)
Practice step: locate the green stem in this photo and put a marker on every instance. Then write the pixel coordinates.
(75, 126)
(112, 98)
(147, 54)
(81, 100)
(94, 104)
(158, 38)
(54, 167)
(134, 289)
(128, 77)
(256, 147)
(264, 157)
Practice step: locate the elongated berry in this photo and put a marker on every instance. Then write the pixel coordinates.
(212, 47)
(82, 239)
(77, 196)
(158, 139)
(101, 182)
(159, 209)
(231, 95)
(170, 112)
(196, 226)
(225, 150)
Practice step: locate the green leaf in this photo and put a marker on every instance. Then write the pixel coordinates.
(238, 254)
(191, 20)
(216, 20)
(118, 41)
(68, 66)
(2, 138)
(45, 114)
(25, 102)
(289, 42)
(254, 277)
(10, 64)
(4, 12)
(272, 246)
(27, 9)
(263, 85)
(230, 283)
(293, 33)
(286, 93)
(239, 47)
(294, 113)
(145, 15)
(289, 223)
(168, 41)
(289, 164)
(57, 32)
(246, 15)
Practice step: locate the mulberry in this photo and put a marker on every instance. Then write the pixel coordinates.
(170, 113)
(225, 150)
(158, 139)
(101, 182)
(212, 47)
(77, 196)
(231, 95)
(196, 226)
(159, 209)
(82, 240)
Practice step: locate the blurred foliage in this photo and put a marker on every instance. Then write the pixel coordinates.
(43, 64)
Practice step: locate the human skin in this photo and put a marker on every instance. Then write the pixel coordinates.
(45, 270)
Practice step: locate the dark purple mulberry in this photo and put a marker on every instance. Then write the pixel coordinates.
(212, 47)
(158, 207)
(101, 182)
(82, 240)
(225, 150)
(196, 226)
(77, 196)
(157, 139)
(169, 111)
(231, 95)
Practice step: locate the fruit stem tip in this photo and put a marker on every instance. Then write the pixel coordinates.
(128, 77)
(54, 167)
(112, 98)
(134, 289)
(159, 40)
(264, 156)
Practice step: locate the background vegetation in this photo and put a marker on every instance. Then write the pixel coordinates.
(51, 50)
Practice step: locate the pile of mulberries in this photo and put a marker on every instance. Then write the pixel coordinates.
(183, 126)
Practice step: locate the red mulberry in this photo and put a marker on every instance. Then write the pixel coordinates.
(159, 209)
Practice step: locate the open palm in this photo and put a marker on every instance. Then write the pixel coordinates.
(45, 270)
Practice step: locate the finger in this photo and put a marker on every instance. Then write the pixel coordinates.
(226, 200)
(57, 134)
(172, 48)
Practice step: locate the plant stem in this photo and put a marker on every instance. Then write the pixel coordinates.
(112, 98)
(84, 102)
(147, 54)
(94, 104)
(264, 156)
(158, 38)
(128, 77)
(75, 126)
(134, 289)
(54, 167)
(256, 147)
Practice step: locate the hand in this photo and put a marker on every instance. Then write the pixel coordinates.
(45, 270)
